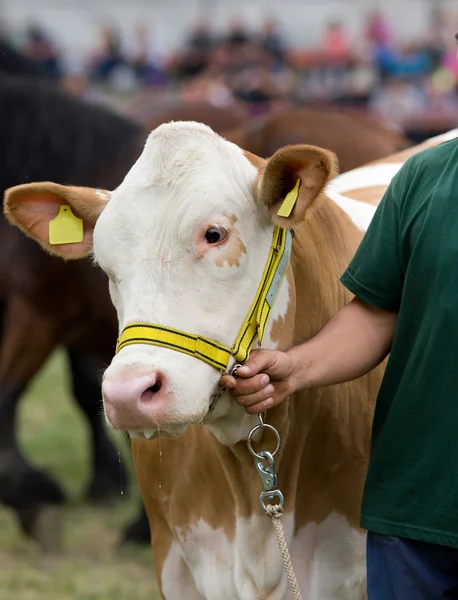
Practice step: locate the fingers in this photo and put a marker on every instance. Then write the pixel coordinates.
(254, 394)
(254, 386)
(260, 360)
(258, 383)
(228, 382)
(260, 407)
(247, 387)
(262, 395)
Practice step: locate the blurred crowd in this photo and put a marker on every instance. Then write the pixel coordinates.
(375, 70)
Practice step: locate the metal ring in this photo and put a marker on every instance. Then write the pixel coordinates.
(234, 370)
(272, 495)
(252, 432)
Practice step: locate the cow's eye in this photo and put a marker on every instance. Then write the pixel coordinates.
(215, 234)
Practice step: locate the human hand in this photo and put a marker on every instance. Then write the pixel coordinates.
(264, 381)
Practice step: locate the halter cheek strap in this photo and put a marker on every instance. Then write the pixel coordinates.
(210, 351)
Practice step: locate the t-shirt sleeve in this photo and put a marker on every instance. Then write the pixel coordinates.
(375, 273)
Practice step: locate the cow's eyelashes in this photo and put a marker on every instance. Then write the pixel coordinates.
(215, 235)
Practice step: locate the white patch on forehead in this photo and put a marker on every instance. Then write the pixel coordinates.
(359, 212)
(175, 153)
(329, 560)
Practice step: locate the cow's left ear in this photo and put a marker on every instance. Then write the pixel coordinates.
(74, 211)
(300, 171)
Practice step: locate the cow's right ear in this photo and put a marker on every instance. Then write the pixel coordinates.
(31, 207)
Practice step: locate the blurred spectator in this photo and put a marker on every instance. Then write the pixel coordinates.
(272, 40)
(450, 63)
(196, 54)
(147, 60)
(252, 86)
(336, 45)
(39, 47)
(262, 88)
(238, 35)
(335, 61)
(377, 31)
(14, 62)
(208, 88)
(442, 97)
(397, 100)
(387, 60)
(360, 82)
(439, 28)
(201, 38)
(108, 57)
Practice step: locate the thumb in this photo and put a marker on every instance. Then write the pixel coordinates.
(260, 360)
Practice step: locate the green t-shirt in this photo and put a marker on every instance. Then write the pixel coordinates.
(408, 263)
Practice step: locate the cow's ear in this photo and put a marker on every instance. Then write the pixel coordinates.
(61, 218)
(290, 181)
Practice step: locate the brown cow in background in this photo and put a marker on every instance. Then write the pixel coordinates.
(355, 138)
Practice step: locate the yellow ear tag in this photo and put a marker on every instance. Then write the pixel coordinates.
(289, 201)
(66, 228)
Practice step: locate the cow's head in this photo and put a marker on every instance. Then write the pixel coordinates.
(184, 241)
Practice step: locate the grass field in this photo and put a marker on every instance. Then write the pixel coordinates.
(91, 567)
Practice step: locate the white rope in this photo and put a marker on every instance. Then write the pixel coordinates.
(274, 512)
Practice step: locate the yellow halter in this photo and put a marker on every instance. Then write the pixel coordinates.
(210, 351)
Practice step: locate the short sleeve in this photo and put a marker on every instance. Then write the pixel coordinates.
(375, 274)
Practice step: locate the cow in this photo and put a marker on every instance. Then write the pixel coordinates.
(355, 137)
(186, 241)
(44, 302)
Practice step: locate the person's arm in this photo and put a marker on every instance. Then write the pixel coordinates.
(351, 344)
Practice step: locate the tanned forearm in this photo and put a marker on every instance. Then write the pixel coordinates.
(351, 344)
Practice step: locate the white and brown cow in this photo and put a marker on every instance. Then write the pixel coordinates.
(184, 240)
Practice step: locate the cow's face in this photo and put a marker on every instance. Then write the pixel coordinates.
(184, 241)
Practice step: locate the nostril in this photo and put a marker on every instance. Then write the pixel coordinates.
(150, 392)
(155, 388)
